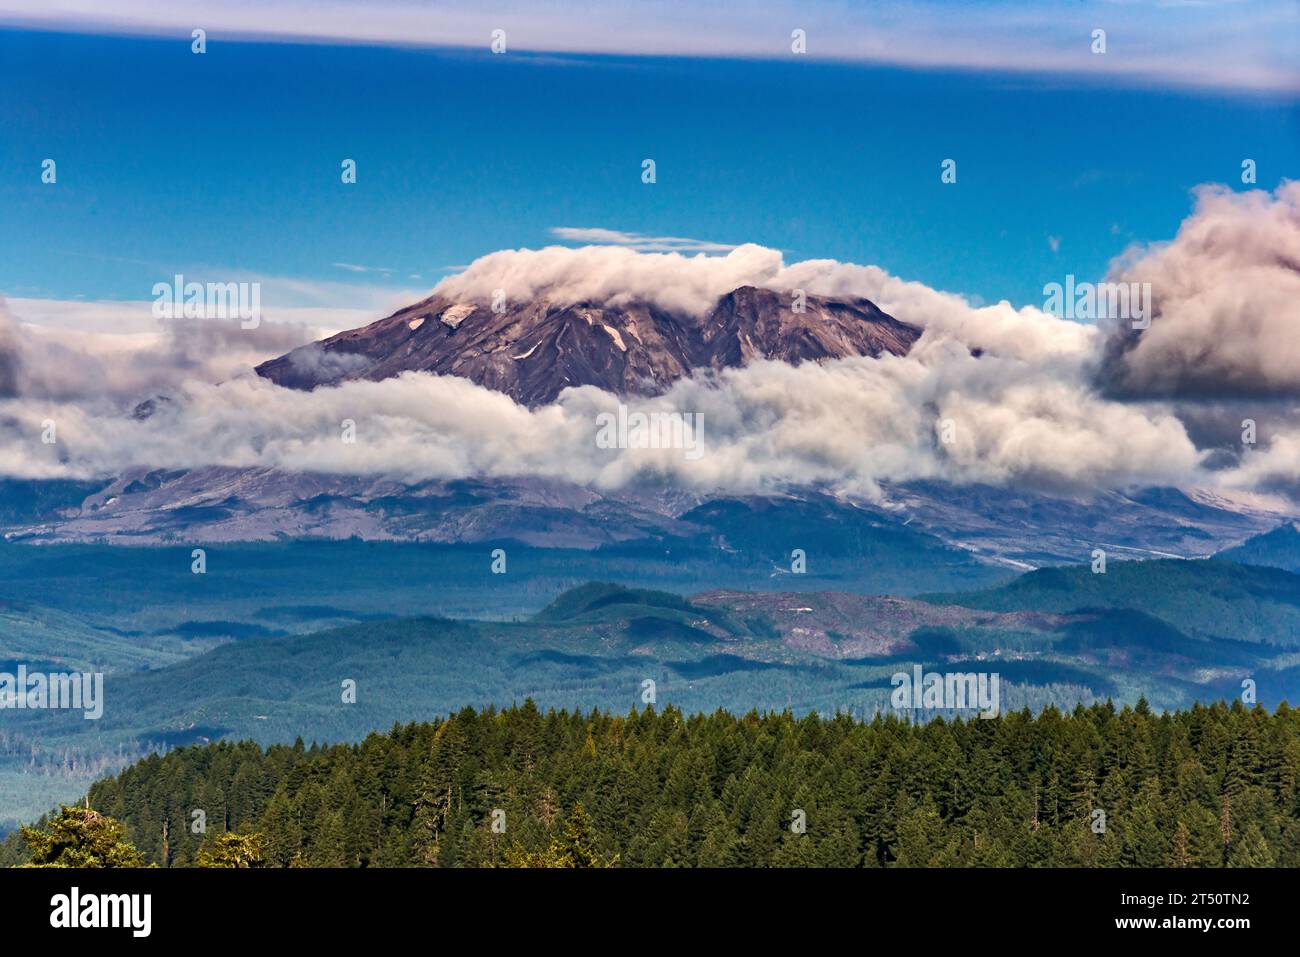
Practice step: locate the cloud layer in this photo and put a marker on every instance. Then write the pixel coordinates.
(39, 361)
(989, 394)
(613, 275)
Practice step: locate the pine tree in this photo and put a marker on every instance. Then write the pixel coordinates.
(1180, 853)
(1203, 787)
(233, 851)
(573, 849)
(1251, 850)
(80, 837)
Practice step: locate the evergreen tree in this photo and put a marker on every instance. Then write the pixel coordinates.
(1096, 787)
(80, 837)
(233, 850)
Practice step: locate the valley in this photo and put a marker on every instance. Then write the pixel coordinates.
(424, 630)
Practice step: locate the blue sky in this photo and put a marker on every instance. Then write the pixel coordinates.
(226, 165)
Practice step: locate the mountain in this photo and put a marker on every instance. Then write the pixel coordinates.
(1206, 600)
(698, 542)
(1279, 548)
(1028, 528)
(1004, 528)
(533, 350)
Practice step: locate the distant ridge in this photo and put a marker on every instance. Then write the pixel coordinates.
(1279, 548)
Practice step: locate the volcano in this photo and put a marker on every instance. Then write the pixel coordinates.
(534, 350)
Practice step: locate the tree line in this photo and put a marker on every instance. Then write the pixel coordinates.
(1215, 785)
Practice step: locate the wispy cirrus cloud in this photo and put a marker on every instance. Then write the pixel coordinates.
(638, 241)
(1213, 45)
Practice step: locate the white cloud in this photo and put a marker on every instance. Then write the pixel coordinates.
(692, 284)
(614, 274)
(1273, 467)
(848, 424)
(113, 353)
(353, 267)
(1023, 412)
(1017, 387)
(1226, 292)
(637, 241)
(1238, 46)
(117, 351)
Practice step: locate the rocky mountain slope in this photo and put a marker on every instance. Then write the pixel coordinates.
(1017, 531)
(533, 350)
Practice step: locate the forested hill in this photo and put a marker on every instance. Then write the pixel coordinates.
(1097, 786)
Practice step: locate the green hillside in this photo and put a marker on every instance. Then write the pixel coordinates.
(1203, 599)
(1279, 548)
(1174, 632)
(1093, 787)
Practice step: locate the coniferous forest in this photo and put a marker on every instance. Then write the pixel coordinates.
(1097, 787)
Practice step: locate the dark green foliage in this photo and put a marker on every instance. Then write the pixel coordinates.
(571, 849)
(1210, 786)
(1175, 632)
(1279, 548)
(31, 500)
(1203, 599)
(231, 850)
(79, 837)
(599, 599)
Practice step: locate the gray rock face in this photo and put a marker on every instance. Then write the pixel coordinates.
(534, 350)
